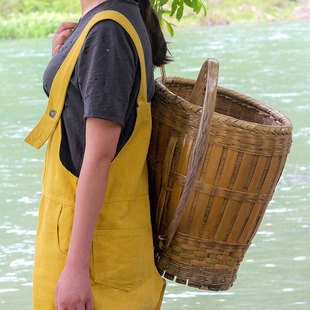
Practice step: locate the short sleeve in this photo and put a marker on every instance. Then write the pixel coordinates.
(107, 67)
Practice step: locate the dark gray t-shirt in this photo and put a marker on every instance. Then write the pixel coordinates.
(106, 79)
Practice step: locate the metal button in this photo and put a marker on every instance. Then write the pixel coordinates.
(52, 113)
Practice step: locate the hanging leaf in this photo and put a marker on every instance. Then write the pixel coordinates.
(162, 22)
(161, 7)
(189, 3)
(180, 11)
(170, 28)
(174, 6)
(204, 9)
(163, 2)
(197, 6)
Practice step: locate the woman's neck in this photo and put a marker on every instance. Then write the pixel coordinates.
(87, 5)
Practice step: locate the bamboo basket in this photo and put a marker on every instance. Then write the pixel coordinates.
(215, 158)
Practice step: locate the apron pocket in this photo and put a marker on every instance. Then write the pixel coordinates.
(123, 259)
(64, 228)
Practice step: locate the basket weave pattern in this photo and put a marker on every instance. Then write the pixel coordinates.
(247, 149)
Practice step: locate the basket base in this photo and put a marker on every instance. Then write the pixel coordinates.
(200, 263)
(196, 283)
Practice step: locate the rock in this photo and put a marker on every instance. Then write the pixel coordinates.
(303, 12)
(271, 18)
(213, 22)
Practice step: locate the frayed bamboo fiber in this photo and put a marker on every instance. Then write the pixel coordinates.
(246, 151)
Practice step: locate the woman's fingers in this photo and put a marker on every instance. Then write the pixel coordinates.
(62, 33)
(89, 305)
(59, 40)
(62, 36)
(65, 26)
(56, 49)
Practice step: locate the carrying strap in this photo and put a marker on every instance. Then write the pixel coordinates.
(46, 126)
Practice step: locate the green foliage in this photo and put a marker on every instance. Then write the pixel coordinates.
(31, 6)
(240, 11)
(162, 7)
(176, 9)
(34, 18)
(32, 25)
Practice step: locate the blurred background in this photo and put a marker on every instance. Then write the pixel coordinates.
(263, 49)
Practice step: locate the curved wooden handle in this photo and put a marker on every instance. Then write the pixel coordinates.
(165, 179)
(200, 85)
(163, 74)
(199, 149)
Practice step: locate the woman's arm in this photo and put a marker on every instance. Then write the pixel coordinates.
(73, 288)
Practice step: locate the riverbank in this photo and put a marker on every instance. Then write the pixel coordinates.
(33, 25)
(219, 12)
(224, 12)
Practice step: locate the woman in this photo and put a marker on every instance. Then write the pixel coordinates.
(94, 242)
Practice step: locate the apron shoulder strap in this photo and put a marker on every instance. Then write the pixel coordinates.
(46, 126)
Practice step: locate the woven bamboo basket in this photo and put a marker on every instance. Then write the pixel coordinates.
(215, 158)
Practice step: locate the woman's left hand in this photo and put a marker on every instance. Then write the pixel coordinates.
(73, 290)
(61, 36)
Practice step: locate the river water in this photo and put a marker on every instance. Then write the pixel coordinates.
(268, 62)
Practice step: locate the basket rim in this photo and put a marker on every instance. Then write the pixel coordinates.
(285, 128)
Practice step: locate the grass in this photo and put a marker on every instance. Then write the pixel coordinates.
(238, 11)
(40, 24)
(221, 12)
(32, 25)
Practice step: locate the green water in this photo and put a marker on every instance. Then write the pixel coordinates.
(268, 62)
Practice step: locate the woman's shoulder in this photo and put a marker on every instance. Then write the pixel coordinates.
(107, 27)
(111, 36)
(128, 8)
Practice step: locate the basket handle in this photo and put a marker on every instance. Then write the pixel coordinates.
(164, 187)
(199, 86)
(199, 149)
(163, 74)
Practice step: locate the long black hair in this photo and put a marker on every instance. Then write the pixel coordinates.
(158, 42)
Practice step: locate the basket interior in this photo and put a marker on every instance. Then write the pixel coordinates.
(232, 104)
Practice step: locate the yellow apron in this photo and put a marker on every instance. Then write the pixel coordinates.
(122, 270)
